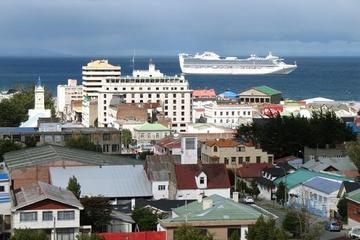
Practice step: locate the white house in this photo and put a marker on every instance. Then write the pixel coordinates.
(5, 202)
(52, 209)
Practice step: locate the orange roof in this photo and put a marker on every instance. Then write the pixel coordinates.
(223, 143)
(204, 93)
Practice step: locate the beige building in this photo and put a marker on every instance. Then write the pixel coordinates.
(258, 95)
(232, 153)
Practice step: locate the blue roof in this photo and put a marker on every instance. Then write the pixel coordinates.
(12, 130)
(353, 128)
(228, 94)
(4, 176)
(323, 185)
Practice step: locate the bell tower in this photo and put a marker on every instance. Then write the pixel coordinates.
(39, 96)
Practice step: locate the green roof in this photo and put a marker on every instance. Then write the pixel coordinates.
(50, 153)
(354, 196)
(152, 127)
(222, 209)
(267, 90)
(301, 175)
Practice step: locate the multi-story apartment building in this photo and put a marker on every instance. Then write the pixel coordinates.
(94, 73)
(66, 94)
(232, 153)
(172, 92)
(229, 115)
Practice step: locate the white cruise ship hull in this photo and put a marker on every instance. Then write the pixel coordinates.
(214, 65)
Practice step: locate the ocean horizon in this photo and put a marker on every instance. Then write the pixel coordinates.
(330, 77)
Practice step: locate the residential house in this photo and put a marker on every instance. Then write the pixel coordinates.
(194, 181)
(251, 171)
(5, 203)
(52, 209)
(259, 95)
(116, 182)
(337, 151)
(168, 145)
(353, 208)
(216, 215)
(30, 165)
(347, 187)
(232, 153)
(120, 222)
(147, 133)
(339, 165)
(293, 161)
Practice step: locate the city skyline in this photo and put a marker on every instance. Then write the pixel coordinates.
(165, 28)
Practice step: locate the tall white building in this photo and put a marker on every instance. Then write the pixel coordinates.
(228, 115)
(66, 94)
(172, 92)
(94, 73)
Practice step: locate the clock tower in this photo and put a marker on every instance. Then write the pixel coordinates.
(39, 96)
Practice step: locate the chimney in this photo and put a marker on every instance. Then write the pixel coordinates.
(235, 197)
(207, 203)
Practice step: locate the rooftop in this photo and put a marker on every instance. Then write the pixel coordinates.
(223, 143)
(117, 181)
(49, 153)
(151, 127)
(301, 175)
(354, 196)
(204, 93)
(221, 209)
(252, 170)
(159, 167)
(102, 63)
(267, 90)
(171, 141)
(324, 185)
(340, 164)
(41, 191)
(217, 175)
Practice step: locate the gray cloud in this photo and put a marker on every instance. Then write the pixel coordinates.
(165, 27)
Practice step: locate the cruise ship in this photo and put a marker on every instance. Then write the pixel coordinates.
(211, 63)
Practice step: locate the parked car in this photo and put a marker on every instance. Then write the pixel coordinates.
(354, 233)
(333, 225)
(248, 199)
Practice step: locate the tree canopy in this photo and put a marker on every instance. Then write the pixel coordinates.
(74, 187)
(188, 232)
(145, 219)
(126, 137)
(82, 142)
(8, 146)
(29, 234)
(96, 212)
(287, 135)
(265, 229)
(353, 151)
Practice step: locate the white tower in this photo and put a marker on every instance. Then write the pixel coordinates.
(189, 150)
(39, 96)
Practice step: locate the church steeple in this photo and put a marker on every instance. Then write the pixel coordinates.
(39, 95)
(38, 82)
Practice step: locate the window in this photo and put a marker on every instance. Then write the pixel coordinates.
(270, 159)
(161, 187)
(247, 159)
(65, 234)
(47, 216)
(114, 147)
(2, 188)
(189, 143)
(66, 215)
(106, 136)
(226, 161)
(215, 149)
(28, 217)
(233, 160)
(106, 148)
(258, 159)
(240, 149)
(240, 160)
(202, 180)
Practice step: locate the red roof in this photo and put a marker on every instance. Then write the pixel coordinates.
(133, 235)
(217, 175)
(204, 93)
(170, 142)
(251, 170)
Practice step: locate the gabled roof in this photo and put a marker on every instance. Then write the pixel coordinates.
(152, 127)
(42, 191)
(340, 164)
(223, 143)
(354, 196)
(324, 185)
(267, 90)
(170, 142)
(116, 181)
(301, 175)
(50, 153)
(221, 209)
(252, 170)
(217, 175)
(350, 186)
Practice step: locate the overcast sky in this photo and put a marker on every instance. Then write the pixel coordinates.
(167, 27)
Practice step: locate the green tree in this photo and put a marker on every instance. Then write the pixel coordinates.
(74, 187)
(82, 142)
(188, 232)
(255, 191)
(294, 222)
(280, 193)
(8, 146)
(342, 208)
(126, 138)
(145, 219)
(96, 212)
(353, 151)
(265, 229)
(243, 188)
(29, 234)
(235, 236)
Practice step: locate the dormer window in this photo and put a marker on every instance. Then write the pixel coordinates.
(202, 180)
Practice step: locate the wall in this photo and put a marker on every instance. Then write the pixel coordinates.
(160, 194)
(353, 210)
(198, 193)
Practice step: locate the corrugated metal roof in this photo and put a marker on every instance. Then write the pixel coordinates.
(14, 130)
(267, 90)
(118, 181)
(323, 185)
(37, 155)
(41, 191)
(341, 164)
